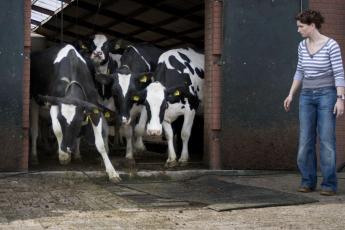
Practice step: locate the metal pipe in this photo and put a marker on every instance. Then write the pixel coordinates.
(61, 24)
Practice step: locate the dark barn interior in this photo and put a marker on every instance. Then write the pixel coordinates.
(164, 23)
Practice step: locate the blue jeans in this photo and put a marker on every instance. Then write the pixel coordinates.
(316, 117)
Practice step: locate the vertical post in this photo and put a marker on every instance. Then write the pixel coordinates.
(212, 98)
(26, 85)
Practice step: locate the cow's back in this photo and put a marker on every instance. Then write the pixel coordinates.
(52, 70)
(184, 66)
(141, 57)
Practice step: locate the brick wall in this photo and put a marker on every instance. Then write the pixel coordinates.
(212, 95)
(334, 27)
(26, 83)
(334, 13)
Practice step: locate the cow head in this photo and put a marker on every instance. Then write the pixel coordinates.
(68, 116)
(97, 48)
(127, 90)
(159, 98)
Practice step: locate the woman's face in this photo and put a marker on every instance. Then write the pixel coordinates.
(304, 29)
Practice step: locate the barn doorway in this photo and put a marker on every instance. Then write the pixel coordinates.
(166, 24)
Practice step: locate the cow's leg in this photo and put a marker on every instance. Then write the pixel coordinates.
(76, 154)
(171, 161)
(111, 136)
(64, 158)
(34, 116)
(185, 135)
(128, 130)
(101, 142)
(139, 132)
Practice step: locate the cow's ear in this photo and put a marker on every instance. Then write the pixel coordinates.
(139, 97)
(114, 45)
(175, 94)
(47, 100)
(146, 78)
(83, 46)
(92, 112)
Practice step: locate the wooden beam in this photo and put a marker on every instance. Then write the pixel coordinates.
(42, 10)
(37, 23)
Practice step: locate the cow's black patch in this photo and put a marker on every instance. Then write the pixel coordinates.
(200, 73)
(189, 67)
(184, 57)
(176, 64)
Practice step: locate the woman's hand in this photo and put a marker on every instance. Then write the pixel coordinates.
(339, 108)
(288, 101)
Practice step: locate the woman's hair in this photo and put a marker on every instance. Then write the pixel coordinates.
(310, 16)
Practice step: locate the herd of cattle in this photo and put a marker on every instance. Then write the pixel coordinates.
(91, 87)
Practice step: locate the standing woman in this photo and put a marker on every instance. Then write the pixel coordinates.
(320, 72)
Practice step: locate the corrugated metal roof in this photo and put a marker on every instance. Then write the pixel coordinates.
(48, 8)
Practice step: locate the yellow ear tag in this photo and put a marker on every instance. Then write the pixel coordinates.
(83, 46)
(95, 111)
(136, 98)
(177, 93)
(106, 114)
(88, 118)
(143, 79)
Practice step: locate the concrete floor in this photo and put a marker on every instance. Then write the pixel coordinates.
(71, 200)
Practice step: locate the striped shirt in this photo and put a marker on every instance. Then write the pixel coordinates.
(323, 68)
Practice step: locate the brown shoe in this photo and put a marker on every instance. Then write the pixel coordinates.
(327, 193)
(304, 189)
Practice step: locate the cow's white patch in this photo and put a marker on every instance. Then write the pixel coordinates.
(102, 149)
(124, 80)
(54, 110)
(155, 96)
(99, 40)
(68, 112)
(197, 59)
(64, 52)
(175, 110)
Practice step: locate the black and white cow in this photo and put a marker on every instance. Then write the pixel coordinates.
(62, 76)
(129, 79)
(103, 59)
(177, 91)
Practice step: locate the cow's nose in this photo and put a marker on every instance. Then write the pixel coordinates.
(126, 121)
(97, 53)
(154, 132)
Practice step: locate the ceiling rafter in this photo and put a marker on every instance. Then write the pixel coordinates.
(78, 26)
(86, 15)
(42, 10)
(187, 14)
(101, 29)
(134, 22)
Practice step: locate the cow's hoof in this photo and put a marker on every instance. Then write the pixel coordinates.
(64, 158)
(183, 163)
(170, 164)
(139, 148)
(115, 179)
